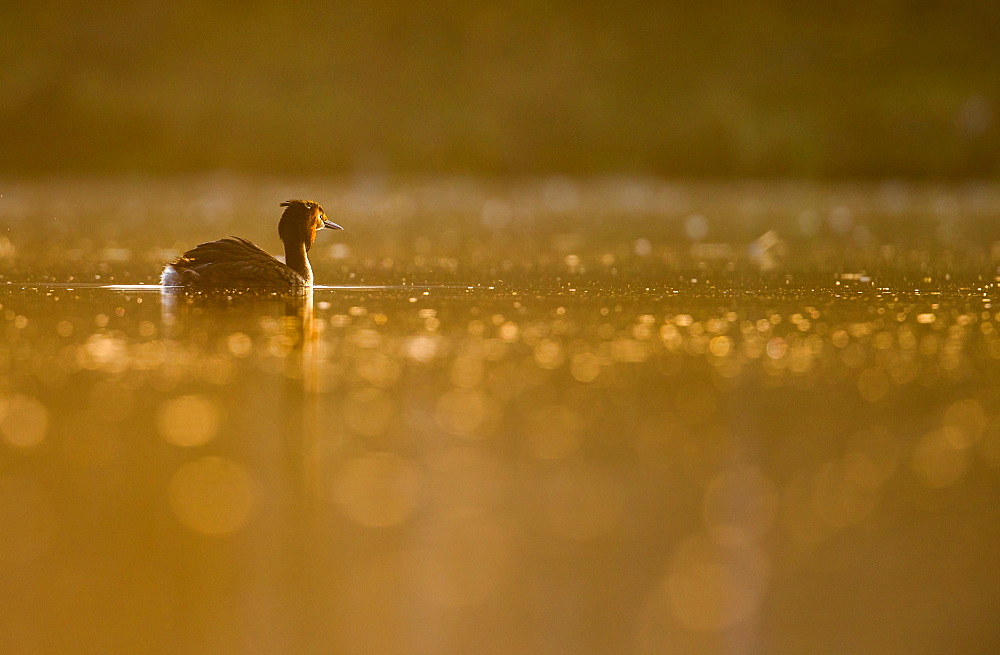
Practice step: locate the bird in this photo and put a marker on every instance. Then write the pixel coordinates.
(234, 262)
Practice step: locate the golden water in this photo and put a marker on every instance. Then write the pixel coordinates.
(648, 461)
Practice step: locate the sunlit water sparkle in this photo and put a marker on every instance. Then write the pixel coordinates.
(664, 458)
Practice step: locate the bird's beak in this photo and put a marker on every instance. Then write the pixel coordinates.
(331, 225)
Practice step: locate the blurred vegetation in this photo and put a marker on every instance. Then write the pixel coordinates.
(713, 88)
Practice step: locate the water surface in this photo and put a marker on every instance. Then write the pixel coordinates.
(602, 440)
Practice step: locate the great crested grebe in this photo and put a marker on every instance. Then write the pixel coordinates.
(235, 262)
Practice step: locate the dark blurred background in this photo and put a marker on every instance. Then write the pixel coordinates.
(713, 88)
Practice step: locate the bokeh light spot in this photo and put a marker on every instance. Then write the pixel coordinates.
(873, 384)
(714, 587)
(740, 504)
(460, 411)
(190, 420)
(937, 461)
(585, 367)
(379, 369)
(24, 421)
(549, 354)
(696, 227)
(239, 344)
(964, 422)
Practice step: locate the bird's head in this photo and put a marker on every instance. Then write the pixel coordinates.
(301, 220)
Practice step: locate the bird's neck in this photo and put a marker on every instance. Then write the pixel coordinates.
(297, 259)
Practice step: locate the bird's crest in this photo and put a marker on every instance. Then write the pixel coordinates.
(304, 203)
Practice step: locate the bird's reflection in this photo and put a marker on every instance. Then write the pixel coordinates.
(217, 311)
(301, 335)
(276, 324)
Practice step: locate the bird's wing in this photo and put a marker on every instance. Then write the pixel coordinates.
(233, 262)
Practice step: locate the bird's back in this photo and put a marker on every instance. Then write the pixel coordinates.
(230, 262)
